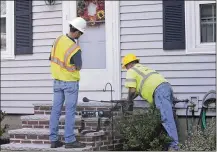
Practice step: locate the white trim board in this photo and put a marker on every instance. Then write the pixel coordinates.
(116, 47)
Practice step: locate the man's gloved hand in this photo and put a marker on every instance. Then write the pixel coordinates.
(130, 107)
(127, 106)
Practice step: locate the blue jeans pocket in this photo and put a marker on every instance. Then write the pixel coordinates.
(56, 86)
(71, 86)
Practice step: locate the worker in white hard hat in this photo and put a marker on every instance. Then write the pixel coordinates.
(66, 62)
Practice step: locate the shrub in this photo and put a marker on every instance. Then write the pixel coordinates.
(201, 140)
(2, 129)
(143, 131)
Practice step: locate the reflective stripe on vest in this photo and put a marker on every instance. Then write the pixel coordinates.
(57, 61)
(144, 78)
(56, 45)
(66, 56)
(69, 51)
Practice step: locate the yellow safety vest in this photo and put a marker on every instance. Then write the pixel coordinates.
(62, 51)
(145, 80)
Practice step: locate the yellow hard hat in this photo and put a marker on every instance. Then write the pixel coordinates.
(128, 58)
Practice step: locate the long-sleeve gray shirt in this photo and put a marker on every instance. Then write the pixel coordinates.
(76, 58)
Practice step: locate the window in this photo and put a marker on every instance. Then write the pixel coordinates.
(7, 29)
(200, 26)
(3, 26)
(207, 23)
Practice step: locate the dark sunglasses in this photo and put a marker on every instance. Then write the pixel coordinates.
(81, 33)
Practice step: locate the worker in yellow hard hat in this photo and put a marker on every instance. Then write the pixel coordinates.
(66, 62)
(154, 88)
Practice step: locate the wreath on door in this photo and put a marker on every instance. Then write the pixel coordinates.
(93, 11)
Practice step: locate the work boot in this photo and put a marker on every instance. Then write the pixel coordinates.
(172, 149)
(75, 144)
(56, 144)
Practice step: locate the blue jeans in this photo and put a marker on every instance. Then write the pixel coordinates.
(68, 92)
(163, 98)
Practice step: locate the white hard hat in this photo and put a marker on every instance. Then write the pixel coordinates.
(79, 23)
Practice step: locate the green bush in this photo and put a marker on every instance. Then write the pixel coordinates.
(201, 140)
(143, 131)
(2, 129)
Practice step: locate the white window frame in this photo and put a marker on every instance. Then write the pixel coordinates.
(9, 53)
(192, 24)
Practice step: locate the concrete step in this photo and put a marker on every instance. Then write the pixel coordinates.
(41, 136)
(38, 147)
(42, 121)
(91, 106)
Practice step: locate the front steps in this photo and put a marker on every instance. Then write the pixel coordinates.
(41, 136)
(34, 134)
(42, 121)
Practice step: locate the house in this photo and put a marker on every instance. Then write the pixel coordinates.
(176, 38)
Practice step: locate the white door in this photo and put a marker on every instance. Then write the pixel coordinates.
(100, 53)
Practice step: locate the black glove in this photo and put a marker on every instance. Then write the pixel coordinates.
(127, 106)
(130, 107)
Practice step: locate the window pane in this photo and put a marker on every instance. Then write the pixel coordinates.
(3, 7)
(207, 22)
(215, 33)
(93, 42)
(207, 33)
(3, 25)
(3, 42)
(3, 34)
(206, 10)
(93, 47)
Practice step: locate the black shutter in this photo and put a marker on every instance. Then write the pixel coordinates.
(173, 24)
(23, 27)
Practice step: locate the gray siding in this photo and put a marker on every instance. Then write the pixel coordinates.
(26, 79)
(141, 33)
